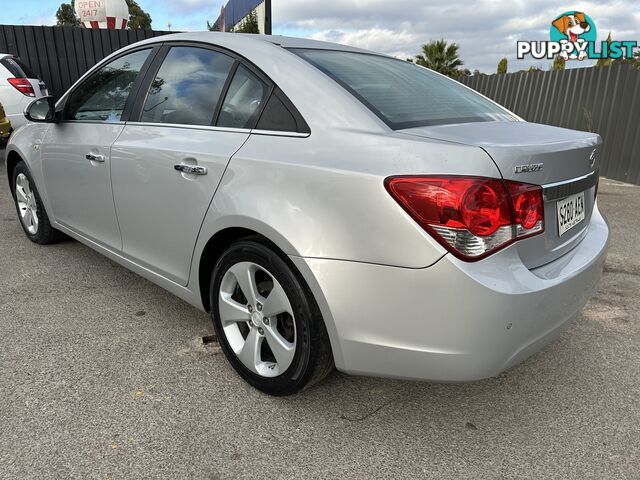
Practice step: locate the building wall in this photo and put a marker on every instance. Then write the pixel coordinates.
(235, 11)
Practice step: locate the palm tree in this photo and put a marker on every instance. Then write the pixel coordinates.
(439, 56)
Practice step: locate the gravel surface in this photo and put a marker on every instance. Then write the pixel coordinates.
(104, 375)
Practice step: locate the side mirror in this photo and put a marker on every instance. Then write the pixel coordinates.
(41, 110)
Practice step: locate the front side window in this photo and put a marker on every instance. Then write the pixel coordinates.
(402, 94)
(187, 87)
(103, 96)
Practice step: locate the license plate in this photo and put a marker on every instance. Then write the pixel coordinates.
(571, 211)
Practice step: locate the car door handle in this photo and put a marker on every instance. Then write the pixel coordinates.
(191, 169)
(95, 158)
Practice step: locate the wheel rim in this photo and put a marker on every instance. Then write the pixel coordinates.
(27, 204)
(257, 319)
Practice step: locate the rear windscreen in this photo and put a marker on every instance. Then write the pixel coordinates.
(403, 94)
(17, 68)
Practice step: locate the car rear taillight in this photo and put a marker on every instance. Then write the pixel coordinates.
(23, 86)
(472, 217)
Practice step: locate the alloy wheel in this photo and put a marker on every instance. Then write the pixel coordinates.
(27, 204)
(257, 319)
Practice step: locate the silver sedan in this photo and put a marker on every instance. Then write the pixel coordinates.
(328, 205)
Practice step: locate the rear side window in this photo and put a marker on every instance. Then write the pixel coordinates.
(402, 94)
(281, 116)
(103, 96)
(243, 100)
(187, 87)
(17, 68)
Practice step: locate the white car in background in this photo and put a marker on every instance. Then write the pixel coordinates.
(19, 86)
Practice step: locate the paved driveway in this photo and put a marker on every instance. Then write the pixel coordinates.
(103, 375)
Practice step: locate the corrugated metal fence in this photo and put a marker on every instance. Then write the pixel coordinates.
(605, 100)
(61, 55)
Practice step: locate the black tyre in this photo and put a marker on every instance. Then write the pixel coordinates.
(268, 323)
(31, 211)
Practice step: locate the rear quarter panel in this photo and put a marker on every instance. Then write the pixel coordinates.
(324, 196)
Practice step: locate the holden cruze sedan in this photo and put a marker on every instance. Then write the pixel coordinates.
(328, 205)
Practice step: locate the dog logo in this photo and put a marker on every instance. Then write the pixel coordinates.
(573, 30)
(574, 37)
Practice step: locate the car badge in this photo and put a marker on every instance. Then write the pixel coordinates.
(532, 167)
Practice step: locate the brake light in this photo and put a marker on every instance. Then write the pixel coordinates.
(23, 86)
(472, 217)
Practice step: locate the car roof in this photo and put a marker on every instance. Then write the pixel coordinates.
(243, 39)
(270, 55)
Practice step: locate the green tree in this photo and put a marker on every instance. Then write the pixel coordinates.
(534, 69)
(249, 25)
(503, 66)
(66, 16)
(558, 64)
(441, 57)
(138, 18)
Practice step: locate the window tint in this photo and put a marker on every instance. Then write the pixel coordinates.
(17, 68)
(188, 87)
(401, 93)
(281, 115)
(103, 96)
(246, 94)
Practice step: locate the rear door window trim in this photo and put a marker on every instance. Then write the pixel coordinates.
(152, 72)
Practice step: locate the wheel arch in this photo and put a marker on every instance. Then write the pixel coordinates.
(212, 251)
(13, 158)
(223, 239)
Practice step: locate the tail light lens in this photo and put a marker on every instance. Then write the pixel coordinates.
(23, 86)
(472, 217)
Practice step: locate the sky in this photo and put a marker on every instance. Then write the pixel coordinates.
(486, 30)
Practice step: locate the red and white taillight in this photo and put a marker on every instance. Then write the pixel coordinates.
(23, 85)
(472, 217)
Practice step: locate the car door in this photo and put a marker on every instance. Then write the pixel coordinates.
(167, 165)
(76, 151)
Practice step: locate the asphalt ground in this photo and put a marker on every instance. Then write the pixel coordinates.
(104, 375)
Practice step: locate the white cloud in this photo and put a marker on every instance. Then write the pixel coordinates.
(486, 30)
(376, 39)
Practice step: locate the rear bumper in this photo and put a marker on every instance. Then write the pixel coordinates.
(453, 321)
